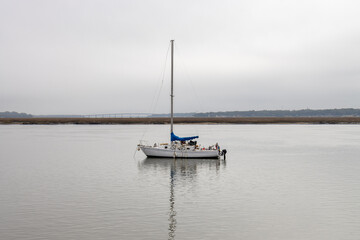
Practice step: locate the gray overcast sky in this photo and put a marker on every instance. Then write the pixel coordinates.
(83, 57)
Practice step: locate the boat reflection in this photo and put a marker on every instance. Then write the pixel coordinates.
(180, 170)
(185, 167)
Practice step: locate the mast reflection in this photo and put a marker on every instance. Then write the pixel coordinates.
(180, 170)
(172, 212)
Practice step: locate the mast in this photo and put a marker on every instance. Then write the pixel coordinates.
(172, 87)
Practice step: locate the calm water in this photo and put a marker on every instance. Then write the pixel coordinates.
(84, 182)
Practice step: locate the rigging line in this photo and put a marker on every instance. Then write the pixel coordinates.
(197, 98)
(155, 100)
(163, 77)
(158, 90)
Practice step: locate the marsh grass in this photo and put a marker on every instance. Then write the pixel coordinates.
(186, 120)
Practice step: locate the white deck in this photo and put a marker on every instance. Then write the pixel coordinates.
(179, 153)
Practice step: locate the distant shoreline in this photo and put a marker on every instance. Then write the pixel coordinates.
(184, 120)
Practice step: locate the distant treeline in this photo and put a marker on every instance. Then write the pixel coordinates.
(168, 115)
(8, 114)
(189, 120)
(58, 116)
(343, 112)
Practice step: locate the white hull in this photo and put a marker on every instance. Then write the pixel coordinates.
(171, 153)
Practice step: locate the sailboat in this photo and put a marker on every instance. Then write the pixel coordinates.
(180, 147)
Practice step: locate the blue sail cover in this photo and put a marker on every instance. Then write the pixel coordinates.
(176, 138)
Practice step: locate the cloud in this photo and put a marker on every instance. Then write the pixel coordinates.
(91, 56)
